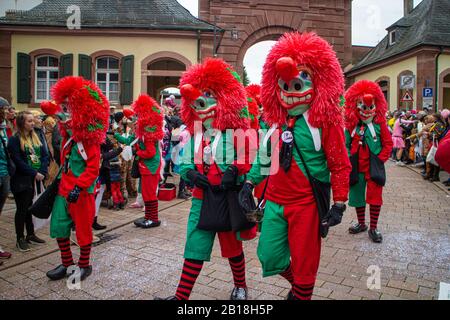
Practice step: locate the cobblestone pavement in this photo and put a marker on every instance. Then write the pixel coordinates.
(140, 264)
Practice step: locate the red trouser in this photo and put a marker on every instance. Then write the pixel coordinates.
(149, 186)
(116, 193)
(82, 213)
(290, 234)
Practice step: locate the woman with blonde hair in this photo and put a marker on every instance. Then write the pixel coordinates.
(31, 160)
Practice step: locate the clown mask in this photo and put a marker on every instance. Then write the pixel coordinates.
(366, 107)
(204, 103)
(295, 86)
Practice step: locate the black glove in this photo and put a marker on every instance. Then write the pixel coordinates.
(246, 200)
(229, 178)
(334, 215)
(74, 194)
(198, 179)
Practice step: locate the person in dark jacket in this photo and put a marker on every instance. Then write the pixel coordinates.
(31, 160)
(108, 152)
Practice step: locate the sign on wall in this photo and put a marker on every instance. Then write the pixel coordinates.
(407, 82)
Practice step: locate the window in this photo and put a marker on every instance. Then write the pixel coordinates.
(392, 36)
(107, 77)
(47, 74)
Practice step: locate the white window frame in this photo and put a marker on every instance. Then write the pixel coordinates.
(392, 33)
(108, 73)
(47, 70)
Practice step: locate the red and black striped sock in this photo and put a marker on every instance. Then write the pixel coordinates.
(303, 291)
(237, 265)
(287, 274)
(66, 253)
(151, 210)
(361, 213)
(85, 253)
(374, 214)
(191, 270)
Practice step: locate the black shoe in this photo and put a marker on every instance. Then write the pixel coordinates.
(85, 272)
(357, 228)
(97, 226)
(58, 273)
(375, 235)
(138, 222)
(122, 206)
(22, 245)
(146, 224)
(174, 298)
(290, 296)
(34, 239)
(183, 196)
(239, 294)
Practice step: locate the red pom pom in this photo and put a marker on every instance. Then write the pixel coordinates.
(189, 92)
(50, 108)
(128, 113)
(287, 69)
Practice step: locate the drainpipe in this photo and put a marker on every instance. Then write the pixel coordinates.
(198, 46)
(436, 63)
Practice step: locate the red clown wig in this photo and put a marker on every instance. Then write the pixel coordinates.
(218, 77)
(317, 55)
(50, 108)
(150, 118)
(355, 92)
(88, 108)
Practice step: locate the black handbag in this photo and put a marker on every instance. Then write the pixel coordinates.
(377, 170)
(135, 173)
(322, 195)
(215, 213)
(239, 221)
(11, 164)
(43, 206)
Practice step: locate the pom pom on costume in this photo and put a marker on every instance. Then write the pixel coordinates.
(150, 119)
(128, 113)
(364, 90)
(215, 76)
(88, 108)
(50, 108)
(254, 91)
(315, 54)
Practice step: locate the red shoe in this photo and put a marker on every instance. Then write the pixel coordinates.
(5, 255)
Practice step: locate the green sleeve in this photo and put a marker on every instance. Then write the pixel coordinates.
(261, 167)
(124, 140)
(348, 142)
(187, 160)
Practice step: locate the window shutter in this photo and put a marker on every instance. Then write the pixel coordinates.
(126, 82)
(23, 78)
(85, 66)
(66, 66)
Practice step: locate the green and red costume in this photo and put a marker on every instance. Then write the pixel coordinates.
(367, 134)
(214, 100)
(301, 92)
(149, 133)
(80, 158)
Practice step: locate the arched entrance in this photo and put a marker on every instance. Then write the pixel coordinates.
(384, 83)
(254, 60)
(444, 85)
(271, 33)
(245, 23)
(162, 70)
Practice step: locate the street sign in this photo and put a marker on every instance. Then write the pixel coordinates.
(407, 97)
(427, 92)
(407, 82)
(427, 102)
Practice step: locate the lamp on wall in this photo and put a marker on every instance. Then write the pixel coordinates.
(234, 34)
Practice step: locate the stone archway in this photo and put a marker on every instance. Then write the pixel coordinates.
(270, 33)
(246, 22)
